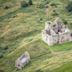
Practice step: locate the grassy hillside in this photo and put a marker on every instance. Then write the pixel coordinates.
(20, 31)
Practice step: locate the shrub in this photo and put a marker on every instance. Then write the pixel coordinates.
(30, 2)
(24, 4)
(41, 19)
(6, 47)
(69, 7)
(46, 6)
(1, 55)
(14, 16)
(53, 4)
(54, 13)
(47, 2)
(65, 22)
(38, 70)
(40, 6)
(7, 5)
(1, 70)
(70, 25)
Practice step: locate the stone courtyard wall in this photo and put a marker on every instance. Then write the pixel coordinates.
(58, 38)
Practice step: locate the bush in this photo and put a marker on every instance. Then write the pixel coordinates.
(69, 7)
(1, 70)
(30, 2)
(55, 13)
(24, 4)
(7, 5)
(70, 25)
(65, 22)
(40, 6)
(1, 55)
(6, 47)
(39, 70)
(47, 2)
(46, 6)
(53, 4)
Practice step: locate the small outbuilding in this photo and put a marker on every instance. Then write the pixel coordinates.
(22, 60)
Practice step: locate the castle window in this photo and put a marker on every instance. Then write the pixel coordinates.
(54, 25)
(71, 34)
(18, 65)
(49, 23)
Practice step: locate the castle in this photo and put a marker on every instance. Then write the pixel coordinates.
(56, 32)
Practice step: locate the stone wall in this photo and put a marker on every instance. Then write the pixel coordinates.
(22, 60)
(58, 38)
(56, 32)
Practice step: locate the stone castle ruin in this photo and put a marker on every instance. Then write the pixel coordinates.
(22, 60)
(56, 32)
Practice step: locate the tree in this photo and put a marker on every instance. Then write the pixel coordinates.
(69, 6)
(24, 4)
(30, 2)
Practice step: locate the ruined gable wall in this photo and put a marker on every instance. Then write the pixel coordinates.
(47, 38)
(55, 39)
(64, 37)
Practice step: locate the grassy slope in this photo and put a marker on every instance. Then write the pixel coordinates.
(23, 33)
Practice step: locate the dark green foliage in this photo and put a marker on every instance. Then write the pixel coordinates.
(41, 19)
(54, 13)
(24, 4)
(40, 6)
(69, 7)
(46, 6)
(6, 7)
(53, 4)
(70, 25)
(65, 22)
(47, 2)
(30, 2)
(14, 16)
(1, 55)
(1, 70)
(5, 48)
(39, 70)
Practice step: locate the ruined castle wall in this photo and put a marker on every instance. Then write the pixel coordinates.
(55, 39)
(43, 36)
(50, 40)
(47, 39)
(58, 38)
(64, 37)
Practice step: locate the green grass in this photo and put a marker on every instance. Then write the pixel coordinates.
(66, 67)
(20, 30)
